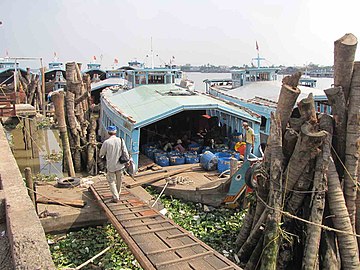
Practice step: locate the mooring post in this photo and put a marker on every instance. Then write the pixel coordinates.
(30, 183)
(32, 131)
(43, 98)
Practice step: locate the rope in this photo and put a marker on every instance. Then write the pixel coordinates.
(327, 228)
(162, 191)
(347, 171)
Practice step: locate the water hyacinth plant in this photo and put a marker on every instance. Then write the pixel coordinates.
(217, 227)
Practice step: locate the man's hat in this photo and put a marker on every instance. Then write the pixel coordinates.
(111, 128)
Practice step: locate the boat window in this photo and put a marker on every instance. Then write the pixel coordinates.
(263, 123)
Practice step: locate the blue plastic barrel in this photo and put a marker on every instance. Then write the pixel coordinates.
(163, 161)
(159, 153)
(223, 164)
(222, 154)
(149, 152)
(208, 161)
(177, 160)
(236, 155)
(191, 158)
(173, 153)
(194, 147)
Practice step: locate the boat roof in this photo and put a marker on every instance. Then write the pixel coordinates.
(106, 83)
(269, 90)
(93, 69)
(147, 104)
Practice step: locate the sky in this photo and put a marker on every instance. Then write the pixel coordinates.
(288, 32)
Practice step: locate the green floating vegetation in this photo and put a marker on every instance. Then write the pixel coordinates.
(217, 227)
(78, 247)
(45, 122)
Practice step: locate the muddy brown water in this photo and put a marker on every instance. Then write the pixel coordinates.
(47, 142)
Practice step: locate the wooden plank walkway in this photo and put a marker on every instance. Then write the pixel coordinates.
(156, 241)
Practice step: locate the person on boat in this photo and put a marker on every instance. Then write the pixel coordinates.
(249, 139)
(168, 146)
(179, 146)
(112, 149)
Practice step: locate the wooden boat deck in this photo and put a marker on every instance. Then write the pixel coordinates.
(191, 184)
(156, 241)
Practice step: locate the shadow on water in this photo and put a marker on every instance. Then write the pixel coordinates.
(48, 146)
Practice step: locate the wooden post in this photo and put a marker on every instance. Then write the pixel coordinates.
(352, 149)
(287, 98)
(272, 234)
(58, 99)
(344, 56)
(43, 107)
(32, 131)
(337, 102)
(27, 136)
(30, 183)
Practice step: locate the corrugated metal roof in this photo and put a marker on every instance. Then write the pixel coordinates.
(149, 103)
(269, 90)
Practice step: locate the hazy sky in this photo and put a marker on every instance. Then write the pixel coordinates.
(197, 31)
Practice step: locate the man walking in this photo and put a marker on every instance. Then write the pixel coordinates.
(113, 148)
(249, 139)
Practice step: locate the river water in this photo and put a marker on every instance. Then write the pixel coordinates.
(47, 143)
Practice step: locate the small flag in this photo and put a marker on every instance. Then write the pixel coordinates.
(257, 46)
(94, 57)
(116, 61)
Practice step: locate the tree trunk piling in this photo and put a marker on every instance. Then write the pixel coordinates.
(301, 212)
(344, 56)
(81, 120)
(352, 145)
(287, 99)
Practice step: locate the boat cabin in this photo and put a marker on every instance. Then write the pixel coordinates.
(95, 72)
(55, 77)
(322, 104)
(157, 114)
(145, 76)
(307, 81)
(223, 83)
(7, 69)
(261, 97)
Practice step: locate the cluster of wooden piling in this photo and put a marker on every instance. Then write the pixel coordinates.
(306, 208)
(77, 121)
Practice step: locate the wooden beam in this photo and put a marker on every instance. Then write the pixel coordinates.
(140, 217)
(59, 201)
(146, 224)
(172, 248)
(153, 230)
(184, 259)
(158, 178)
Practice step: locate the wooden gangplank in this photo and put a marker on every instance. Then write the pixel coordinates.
(155, 240)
